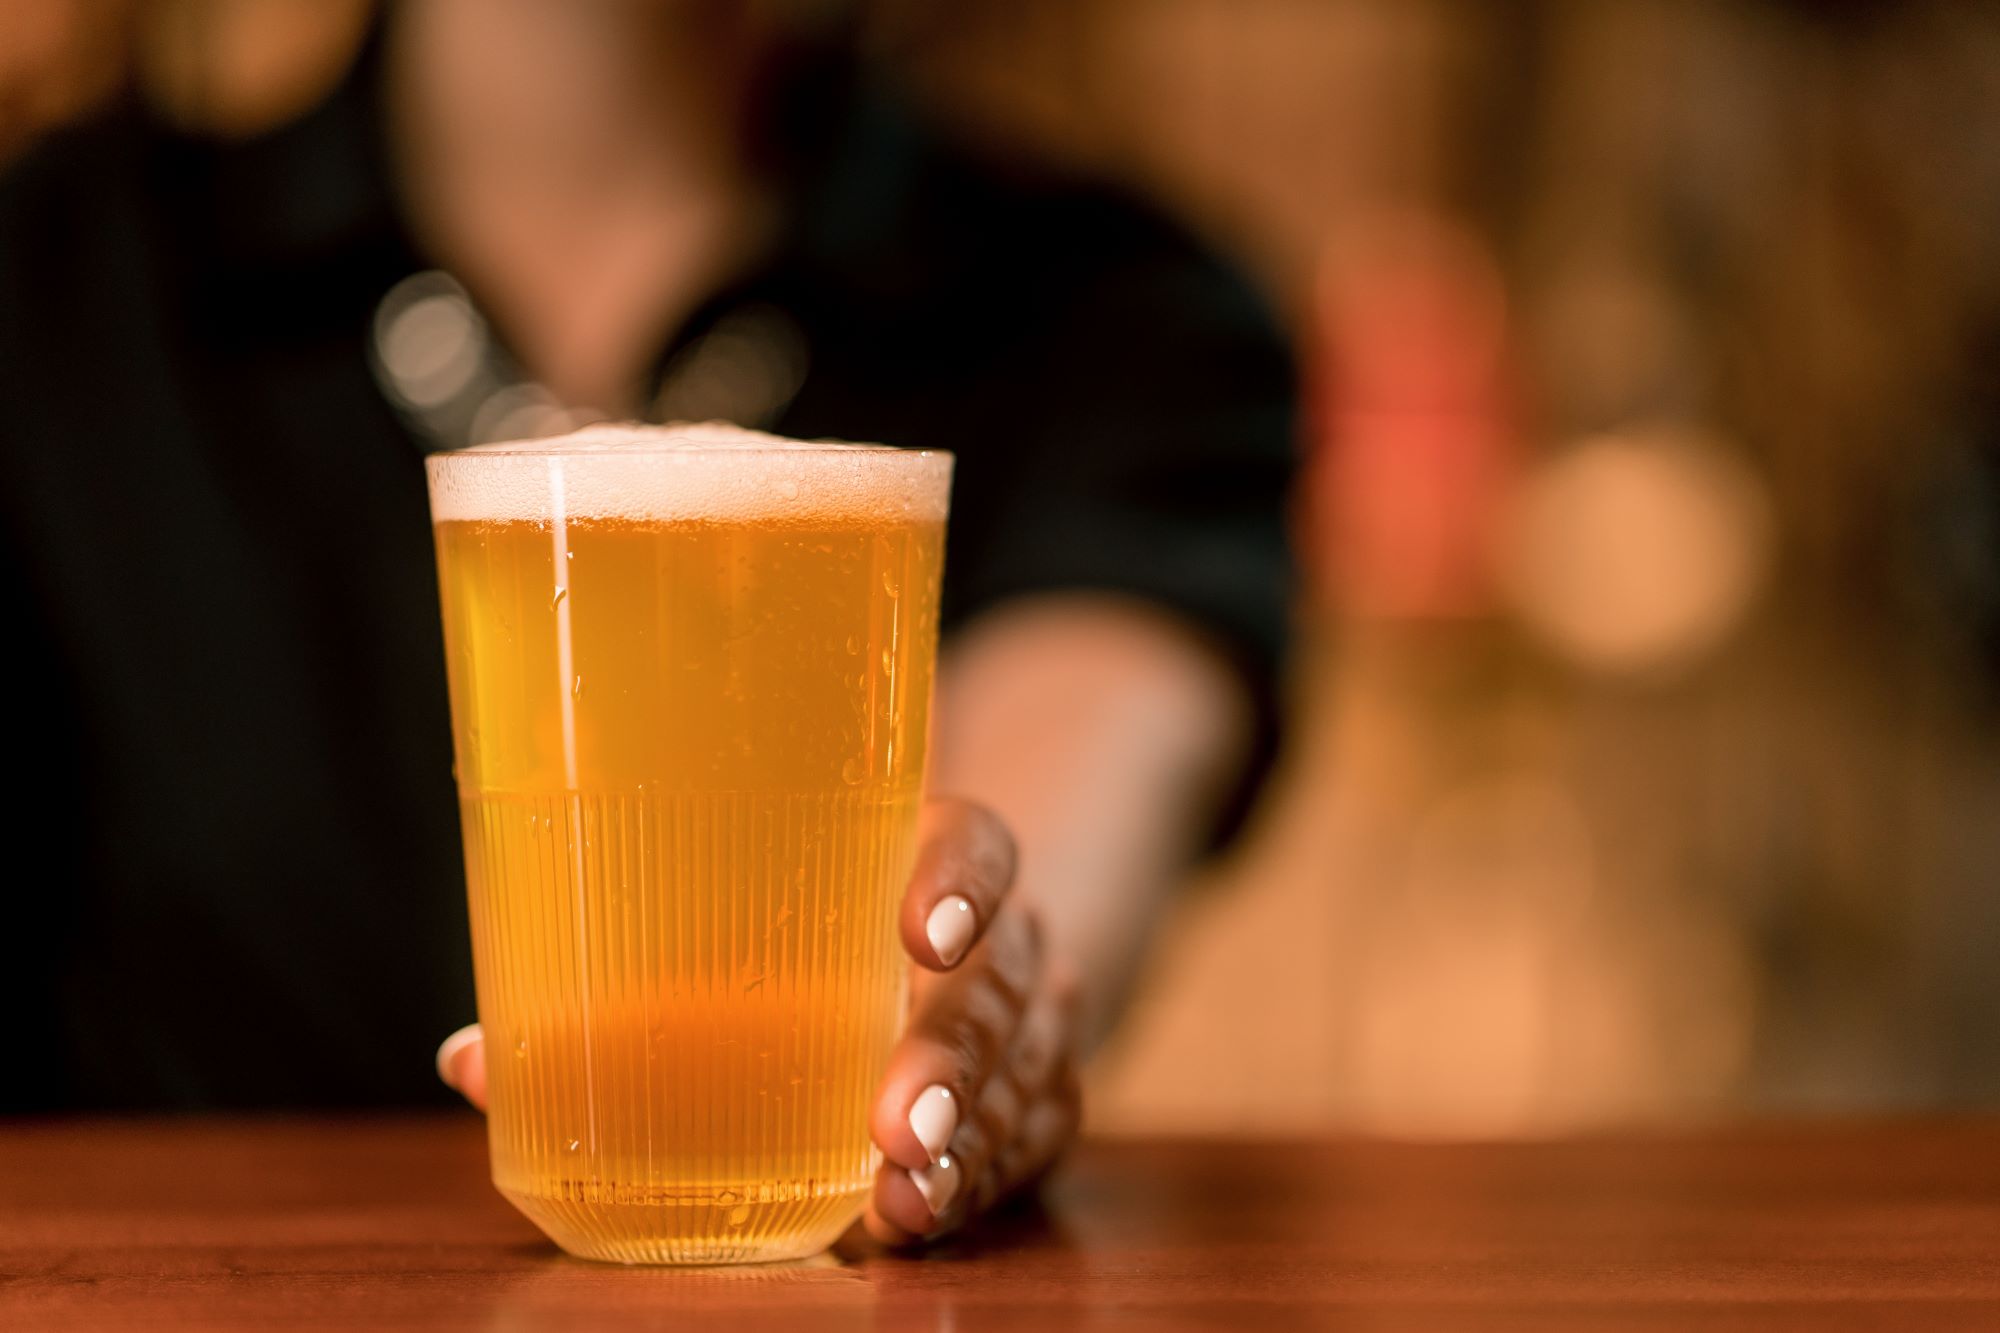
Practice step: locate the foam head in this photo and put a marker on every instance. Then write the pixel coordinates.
(708, 471)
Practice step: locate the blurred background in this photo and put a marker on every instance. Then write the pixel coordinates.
(1645, 740)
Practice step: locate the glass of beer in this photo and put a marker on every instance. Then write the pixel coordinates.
(690, 687)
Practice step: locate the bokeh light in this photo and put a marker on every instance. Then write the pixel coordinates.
(1638, 552)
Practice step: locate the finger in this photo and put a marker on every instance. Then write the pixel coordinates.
(1047, 1033)
(1037, 1063)
(962, 1028)
(1039, 1052)
(965, 865)
(1037, 1059)
(1046, 1131)
(997, 1115)
(905, 1205)
(461, 1063)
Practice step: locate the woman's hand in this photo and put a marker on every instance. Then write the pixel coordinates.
(981, 1093)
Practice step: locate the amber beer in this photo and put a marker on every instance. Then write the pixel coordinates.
(690, 682)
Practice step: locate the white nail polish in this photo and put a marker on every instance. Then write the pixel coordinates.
(949, 928)
(448, 1052)
(934, 1118)
(937, 1184)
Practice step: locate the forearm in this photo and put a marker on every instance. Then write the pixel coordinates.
(1101, 733)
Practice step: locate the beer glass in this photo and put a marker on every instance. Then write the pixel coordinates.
(690, 685)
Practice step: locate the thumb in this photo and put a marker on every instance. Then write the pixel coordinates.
(461, 1063)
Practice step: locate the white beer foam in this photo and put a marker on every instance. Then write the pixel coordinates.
(700, 471)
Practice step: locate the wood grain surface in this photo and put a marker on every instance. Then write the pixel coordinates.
(389, 1223)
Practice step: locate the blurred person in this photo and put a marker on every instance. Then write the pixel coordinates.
(234, 757)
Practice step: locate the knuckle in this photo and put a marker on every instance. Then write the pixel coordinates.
(971, 846)
(983, 1138)
(973, 1146)
(970, 1022)
(948, 1056)
(1013, 955)
(965, 1058)
(1000, 1105)
(987, 1011)
(991, 852)
(1065, 987)
(1030, 928)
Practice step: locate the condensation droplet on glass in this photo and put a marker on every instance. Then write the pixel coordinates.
(569, 555)
(547, 823)
(576, 688)
(854, 770)
(572, 1145)
(888, 662)
(889, 584)
(520, 1048)
(853, 645)
(557, 600)
(832, 915)
(739, 1214)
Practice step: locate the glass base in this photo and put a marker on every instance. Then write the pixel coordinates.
(711, 1231)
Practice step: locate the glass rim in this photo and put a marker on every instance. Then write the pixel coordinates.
(678, 448)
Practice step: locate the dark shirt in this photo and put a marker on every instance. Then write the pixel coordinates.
(236, 878)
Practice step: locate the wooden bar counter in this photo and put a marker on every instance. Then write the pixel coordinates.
(389, 1223)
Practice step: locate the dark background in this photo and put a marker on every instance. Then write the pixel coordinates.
(1646, 756)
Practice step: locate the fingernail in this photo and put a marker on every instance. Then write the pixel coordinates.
(447, 1056)
(937, 1184)
(933, 1118)
(950, 928)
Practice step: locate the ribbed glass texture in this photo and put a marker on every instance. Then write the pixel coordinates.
(690, 758)
(688, 1000)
